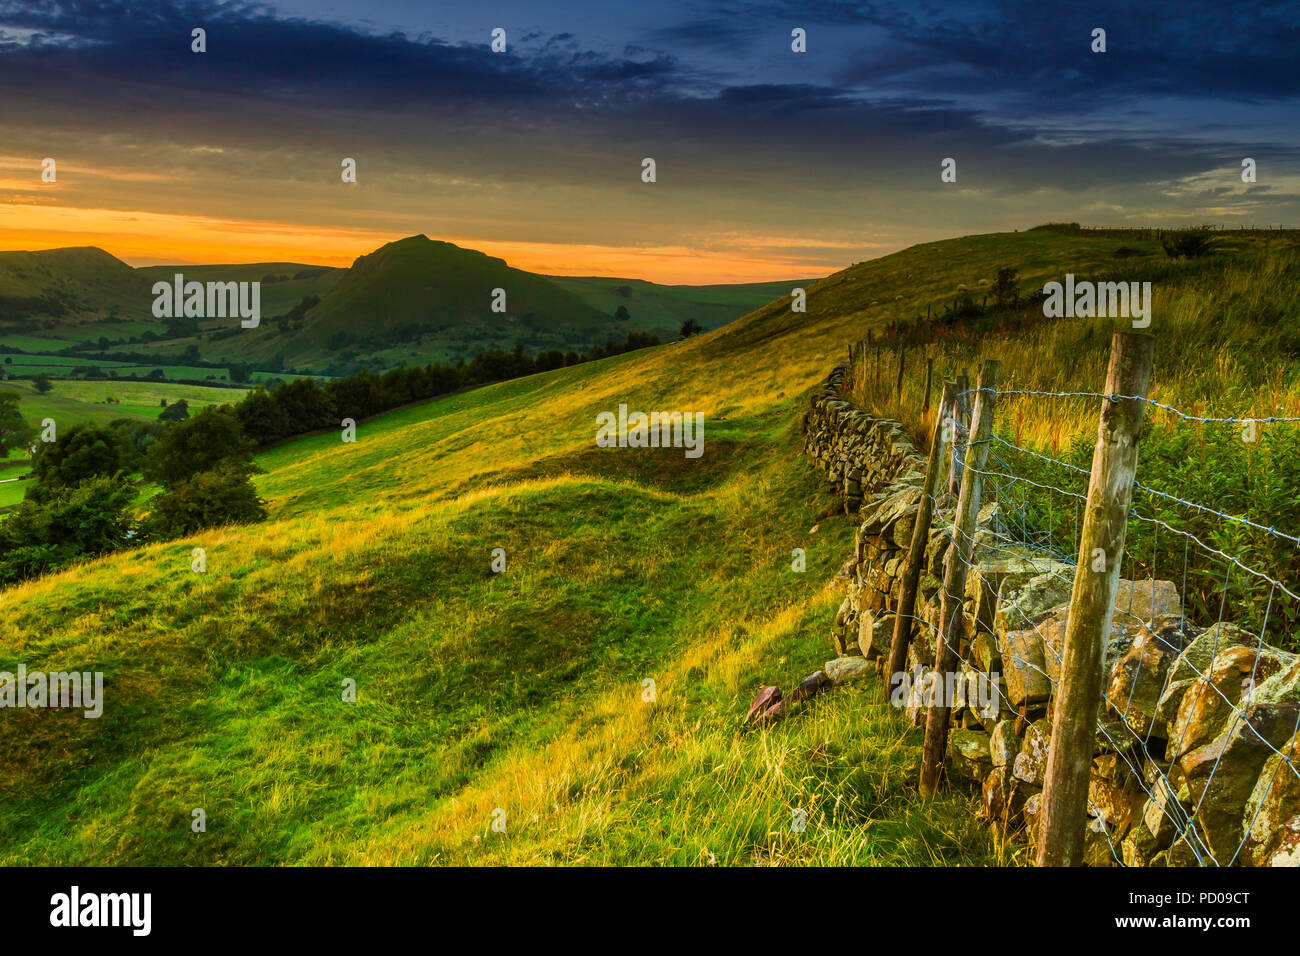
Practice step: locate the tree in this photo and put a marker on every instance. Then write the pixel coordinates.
(1005, 289)
(305, 406)
(90, 519)
(15, 431)
(175, 412)
(42, 383)
(209, 499)
(83, 451)
(261, 417)
(198, 444)
(690, 327)
(622, 314)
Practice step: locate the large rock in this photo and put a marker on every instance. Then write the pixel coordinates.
(984, 581)
(1207, 705)
(1148, 597)
(1139, 847)
(880, 515)
(1031, 762)
(985, 654)
(1004, 744)
(1115, 805)
(844, 629)
(875, 633)
(1100, 844)
(968, 754)
(993, 796)
(1024, 598)
(843, 670)
(1192, 664)
(810, 686)
(1222, 775)
(765, 699)
(1272, 815)
(1024, 670)
(1283, 686)
(1143, 602)
(1137, 679)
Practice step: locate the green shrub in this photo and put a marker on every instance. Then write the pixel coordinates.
(91, 519)
(83, 451)
(197, 444)
(208, 499)
(1188, 243)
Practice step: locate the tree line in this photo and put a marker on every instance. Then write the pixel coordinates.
(82, 502)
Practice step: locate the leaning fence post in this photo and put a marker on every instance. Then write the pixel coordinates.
(920, 538)
(1092, 601)
(952, 603)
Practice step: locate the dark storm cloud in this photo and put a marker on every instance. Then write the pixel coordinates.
(895, 89)
(1192, 49)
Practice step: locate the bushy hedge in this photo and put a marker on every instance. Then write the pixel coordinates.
(87, 520)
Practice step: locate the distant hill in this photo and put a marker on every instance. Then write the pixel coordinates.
(69, 286)
(284, 284)
(411, 301)
(420, 290)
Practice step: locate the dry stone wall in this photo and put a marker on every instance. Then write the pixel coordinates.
(1196, 749)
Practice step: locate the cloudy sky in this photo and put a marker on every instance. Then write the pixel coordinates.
(771, 164)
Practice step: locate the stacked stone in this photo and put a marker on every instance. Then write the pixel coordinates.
(1172, 745)
(860, 454)
(1186, 767)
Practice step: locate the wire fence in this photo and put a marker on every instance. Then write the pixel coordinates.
(1041, 501)
(1149, 761)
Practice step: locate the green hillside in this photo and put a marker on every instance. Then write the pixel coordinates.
(437, 298)
(62, 294)
(282, 289)
(409, 302)
(663, 308)
(522, 692)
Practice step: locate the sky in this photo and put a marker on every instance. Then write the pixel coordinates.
(770, 164)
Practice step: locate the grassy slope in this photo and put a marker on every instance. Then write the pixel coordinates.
(518, 691)
(87, 280)
(664, 308)
(277, 297)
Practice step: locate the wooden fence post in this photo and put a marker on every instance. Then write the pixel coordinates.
(920, 538)
(960, 413)
(902, 351)
(952, 603)
(1092, 602)
(929, 371)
